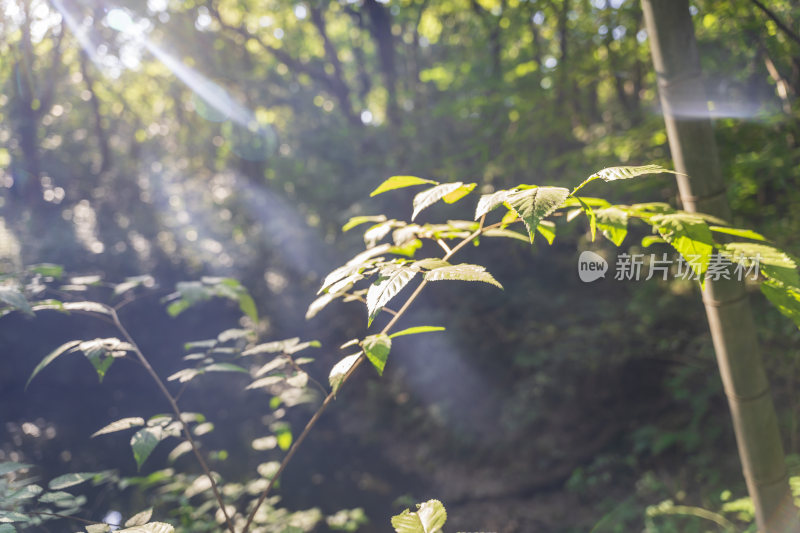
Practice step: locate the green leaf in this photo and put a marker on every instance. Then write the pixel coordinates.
(690, 236)
(152, 527)
(613, 222)
(144, 442)
(47, 270)
(377, 348)
(224, 367)
(70, 480)
(357, 221)
(533, 205)
(624, 173)
(408, 249)
(590, 214)
(428, 197)
(502, 232)
(120, 425)
(10, 466)
(340, 370)
(64, 348)
(415, 330)
(462, 272)
(430, 517)
(272, 347)
(7, 528)
(650, 240)
(386, 287)
(773, 263)
(488, 202)
(399, 182)
(785, 298)
(459, 193)
(547, 229)
(12, 516)
(744, 233)
(14, 297)
(248, 306)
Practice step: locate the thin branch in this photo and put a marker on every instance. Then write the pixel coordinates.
(330, 397)
(786, 29)
(175, 409)
(444, 246)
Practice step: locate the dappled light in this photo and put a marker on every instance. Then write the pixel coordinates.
(411, 265)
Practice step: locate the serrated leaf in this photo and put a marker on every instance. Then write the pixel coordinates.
(415, 330)
(144, 442)
(14, 297)
(533, 205)
(340, 370)
(428, 197)
(772, 262)
(462, 272)
(429, 517)
(64, 348)
(11, 466)
(459, 193)
(152, 527)
(357, 221)
(399, 182)
(70, 480)
(386, 288)
(613, 222)
(377, 232)
(690, 236)
(624, 173)
(488, 202)
(120, 425)
(744, 233)
(356, 264)
(377, 348)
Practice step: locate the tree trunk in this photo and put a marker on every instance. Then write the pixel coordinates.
(702, 189)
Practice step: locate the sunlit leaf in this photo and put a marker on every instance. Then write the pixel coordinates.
(357, 221)
(488, 202)
(386, 288)
(547, 229)
(341, 369)
(399, 182)
(624, 173)
(98, 528)
(272, 347)
(785, 298)
(613, 222)
(744, 233)
(459, 193)
(772, 262)
(533, 205)
(70, 480)
(120, 425)
(140, 518)
(429, 517)
(462, 272)
(152, 527)
(144, 442)
(47, 270)
(224, 367)
(377, 348)
(690, 236)
(64, 348)
(415, 330)
(428, 197)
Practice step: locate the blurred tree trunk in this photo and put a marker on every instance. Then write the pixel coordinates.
(702, 189)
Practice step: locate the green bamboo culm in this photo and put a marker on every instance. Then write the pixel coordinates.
(675, 57)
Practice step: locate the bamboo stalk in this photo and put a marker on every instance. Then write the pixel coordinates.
(702, 189)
